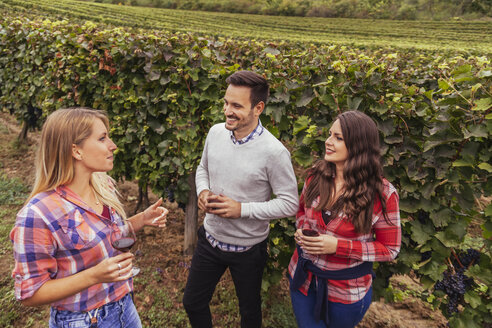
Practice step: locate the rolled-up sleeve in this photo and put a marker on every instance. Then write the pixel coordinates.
(34, 249)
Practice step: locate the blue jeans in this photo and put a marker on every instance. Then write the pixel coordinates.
(121, 313)
(341, 315)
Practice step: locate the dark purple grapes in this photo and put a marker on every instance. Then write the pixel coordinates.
(170, 194)
(454, 286)
(423, 217)
(425, 256)
(470, 256)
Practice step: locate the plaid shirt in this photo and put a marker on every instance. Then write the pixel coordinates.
(57, 235)
(255, 133)
(225, 246)
(382, 244)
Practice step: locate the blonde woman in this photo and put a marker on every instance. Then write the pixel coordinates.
(61, 238)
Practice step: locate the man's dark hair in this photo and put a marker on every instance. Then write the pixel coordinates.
(257, 84)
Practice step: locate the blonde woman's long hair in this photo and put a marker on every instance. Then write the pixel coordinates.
(54, 162)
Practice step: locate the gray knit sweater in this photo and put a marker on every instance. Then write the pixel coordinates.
(248, 173)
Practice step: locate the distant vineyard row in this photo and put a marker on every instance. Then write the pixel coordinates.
(370, 9)
(474, 37)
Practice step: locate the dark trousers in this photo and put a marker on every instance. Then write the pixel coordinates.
(208, 265)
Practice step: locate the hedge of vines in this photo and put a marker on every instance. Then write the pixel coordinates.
(163, 92)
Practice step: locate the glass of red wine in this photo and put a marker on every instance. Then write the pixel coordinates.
(123, 238)
(215, 191)
(308, 229)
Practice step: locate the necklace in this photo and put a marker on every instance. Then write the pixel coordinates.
(95, 197)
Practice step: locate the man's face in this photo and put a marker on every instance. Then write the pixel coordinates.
(240, 117)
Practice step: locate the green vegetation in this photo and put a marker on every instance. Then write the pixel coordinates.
(373, 9)
(12, 191)
(12, 194)
(453, 36)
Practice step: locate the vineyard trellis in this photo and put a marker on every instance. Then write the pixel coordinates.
(162, 92)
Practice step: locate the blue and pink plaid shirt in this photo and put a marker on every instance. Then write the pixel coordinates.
(57, 235)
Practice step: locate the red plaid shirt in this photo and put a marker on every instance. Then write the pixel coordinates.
(57, 235)
(382, 244)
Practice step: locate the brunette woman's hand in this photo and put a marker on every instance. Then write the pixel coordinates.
(155, 215)
(322, 244)
(116, 268)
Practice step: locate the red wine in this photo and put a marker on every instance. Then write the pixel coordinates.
(213, 201)
(124, 244)
(310, 232)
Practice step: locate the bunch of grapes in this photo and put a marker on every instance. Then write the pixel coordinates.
(454, 286)
(171, 197)
(425, 255)
(455, 283)
(470, 256)
(170, 193)
(423, 216)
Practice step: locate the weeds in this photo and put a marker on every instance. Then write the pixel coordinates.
(12, 191)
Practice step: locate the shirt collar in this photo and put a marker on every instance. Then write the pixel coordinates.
(255, 133)
(75, 199)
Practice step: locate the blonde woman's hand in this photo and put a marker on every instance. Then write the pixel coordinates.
(116, 268)
(155, 215)
(322, 244)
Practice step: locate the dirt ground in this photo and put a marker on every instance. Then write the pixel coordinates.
(163, 249)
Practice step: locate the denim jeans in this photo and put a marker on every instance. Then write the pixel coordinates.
(121, 313)
(207, 267)
(340, 315)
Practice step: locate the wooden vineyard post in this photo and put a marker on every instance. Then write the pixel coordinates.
(191, 219)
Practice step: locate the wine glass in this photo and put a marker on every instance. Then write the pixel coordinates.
(217, 220)
(123, 238)
(309, 229)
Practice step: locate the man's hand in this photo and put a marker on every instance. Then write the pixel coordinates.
(202, 200)
(223, 206)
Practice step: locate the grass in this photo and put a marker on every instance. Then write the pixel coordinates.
(12, 194)
(12, 191)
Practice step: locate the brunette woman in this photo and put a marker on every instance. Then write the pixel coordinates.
(350, 217)
(61, 238)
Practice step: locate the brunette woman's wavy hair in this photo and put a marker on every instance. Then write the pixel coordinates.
(363, 174)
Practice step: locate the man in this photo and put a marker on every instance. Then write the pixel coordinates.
(242, 164)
